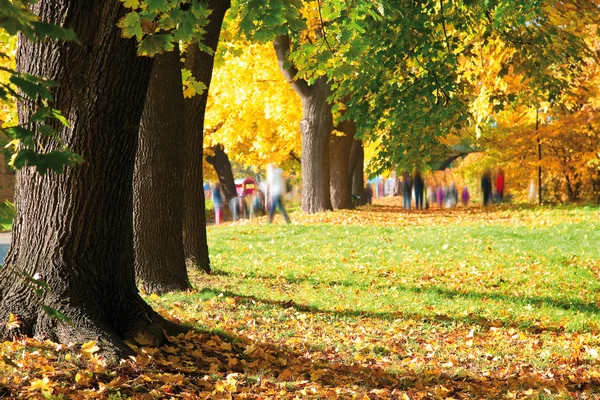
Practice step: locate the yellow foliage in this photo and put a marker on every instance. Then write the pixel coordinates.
(8, 46)
(255, 110)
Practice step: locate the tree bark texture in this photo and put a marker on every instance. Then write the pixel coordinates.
(315, 127)
(74, 230)
(158, 182)
(340, 173)
(201, 66)
(222, 165)
(357, 170)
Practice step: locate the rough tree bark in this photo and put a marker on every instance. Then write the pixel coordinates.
(158, 182)
(222, 165)
(316, 127)
(201, 66)
(357, 171)
(74, 230)
(340, 172)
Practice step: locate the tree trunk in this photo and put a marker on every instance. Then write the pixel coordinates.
(339, 159)
(316, 127)
(201, 66)
(74, 230)
(222, 165)
(357, 170)
(158, 182)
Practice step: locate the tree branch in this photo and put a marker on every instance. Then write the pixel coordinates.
(295, 157)
(282, 49)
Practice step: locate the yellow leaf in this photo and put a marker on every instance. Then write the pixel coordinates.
(44, 385)
(89, 348)
(14, 322)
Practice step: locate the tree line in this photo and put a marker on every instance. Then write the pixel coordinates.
(132, 210)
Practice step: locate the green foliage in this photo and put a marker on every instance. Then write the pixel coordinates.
(263, 20)
(158, 24)
(7, 214)
(34, 92)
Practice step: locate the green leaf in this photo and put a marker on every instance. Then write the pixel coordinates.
(31, 89)
(131, 25)
(158, 5)
(56, 314)
(155, 44)
(45, 30)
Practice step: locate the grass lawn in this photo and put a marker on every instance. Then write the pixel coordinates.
(373, 303)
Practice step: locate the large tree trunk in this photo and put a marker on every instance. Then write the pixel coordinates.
(201, 66)
(74, 230)
(339, 159)
(357, 171)
(316, 127)
(222, 165)
(158, 182)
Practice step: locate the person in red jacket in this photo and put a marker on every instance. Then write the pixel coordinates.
(500, 185)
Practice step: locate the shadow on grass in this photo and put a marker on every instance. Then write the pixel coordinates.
(533, 326)
(563, 304)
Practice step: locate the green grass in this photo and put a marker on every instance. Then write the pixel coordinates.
(518, 274)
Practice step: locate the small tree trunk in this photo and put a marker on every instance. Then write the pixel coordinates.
(357, 161)
(201, 66)
(74, 230)
(158, 182)
(222, 165)
(339, 158)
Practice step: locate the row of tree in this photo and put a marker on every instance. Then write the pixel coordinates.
(405, 73)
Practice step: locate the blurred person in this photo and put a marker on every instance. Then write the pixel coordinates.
(532, 192)
(368, 194)
(257, 204)
(418, 186)
(439, 196)
(500, 185)
(217, 196)
(276, 188)
(451, 196)
(486, 186)
(465, 196)
(406, 190)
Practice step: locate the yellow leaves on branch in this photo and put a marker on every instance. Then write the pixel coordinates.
(256, 110)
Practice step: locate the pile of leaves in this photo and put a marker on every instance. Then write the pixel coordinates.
(262, 334)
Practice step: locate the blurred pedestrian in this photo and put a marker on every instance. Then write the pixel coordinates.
(500, 185)
(217, 197)
(276, 189)
(486, 186)
(368, 194)
(419, 187)
(406, 190)
(465, 196)
(532, 192)
(439, 196)
(257, 205)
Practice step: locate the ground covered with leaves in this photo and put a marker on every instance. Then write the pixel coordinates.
(368, 304)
